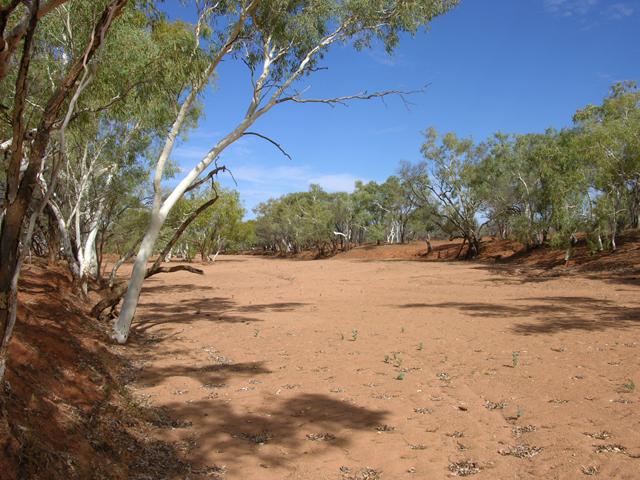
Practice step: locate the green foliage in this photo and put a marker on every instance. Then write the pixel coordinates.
(515, 359)
(328, 222)
(218, 226)
(448, 185)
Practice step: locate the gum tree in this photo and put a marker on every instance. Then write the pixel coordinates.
(281, 42)
(27, 151)
(449, 182)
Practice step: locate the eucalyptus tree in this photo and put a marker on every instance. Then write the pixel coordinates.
(449, 182)
(504, 186)
(216, 227)
(107, 144)
(28, 156)
(372, 218)
(384, 209)
(345, 221)
(609, 141)
(398, 204)
(299, 221)
(281, 42)
(555, 190)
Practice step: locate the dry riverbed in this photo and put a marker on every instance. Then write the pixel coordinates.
(355, 369)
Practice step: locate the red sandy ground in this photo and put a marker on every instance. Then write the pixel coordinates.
(394, 368)
(259, 353)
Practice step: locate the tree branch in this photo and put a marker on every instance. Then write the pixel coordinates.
(273, 142)
(359, 96)
(208, 177)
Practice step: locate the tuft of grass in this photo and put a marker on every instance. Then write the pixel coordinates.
(395, 360)
(515, 359)
(629, 385)
(385, 428)
(400, 376)
(610, 448)
(354, 335)
(321, 437)
(464, 468)
(521, 451)
(591, 470)
(420, 346)
(494, 406)
(256, 333)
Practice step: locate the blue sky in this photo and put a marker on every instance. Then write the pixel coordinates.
(499, 65)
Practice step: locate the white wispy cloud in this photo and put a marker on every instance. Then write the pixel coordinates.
(390, 130)
(291, 178)
(382, 57)
(570, 8)
(184, 153)
(256, 174)
(620, 10)
(337, 182)
(581, 8)
(257, 182)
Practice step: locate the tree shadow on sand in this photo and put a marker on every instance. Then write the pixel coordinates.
(210, 309)
(554, 314)
(506, 274)
(236, 436)
(213, 374)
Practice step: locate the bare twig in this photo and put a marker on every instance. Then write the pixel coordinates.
(273, 142)
(343, 100)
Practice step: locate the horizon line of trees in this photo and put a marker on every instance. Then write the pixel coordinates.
(540, 188)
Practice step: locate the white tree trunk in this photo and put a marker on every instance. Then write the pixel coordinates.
(162, 208)
(130, 302)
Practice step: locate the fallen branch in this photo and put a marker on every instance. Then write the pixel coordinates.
(116, 293)
(176, 268)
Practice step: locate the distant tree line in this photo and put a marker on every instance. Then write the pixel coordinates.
(539, 188)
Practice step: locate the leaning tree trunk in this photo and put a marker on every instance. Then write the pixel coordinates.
(89, 263)
(123, 324)
(140, 271)
(464, 242)
(429, 246)
(474, 247)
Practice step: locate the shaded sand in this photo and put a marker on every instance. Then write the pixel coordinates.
(284, 369)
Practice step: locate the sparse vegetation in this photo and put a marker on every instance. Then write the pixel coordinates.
(590, 470)
(515, 359)
(629, 385)
(464, 468)
(522, 450)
